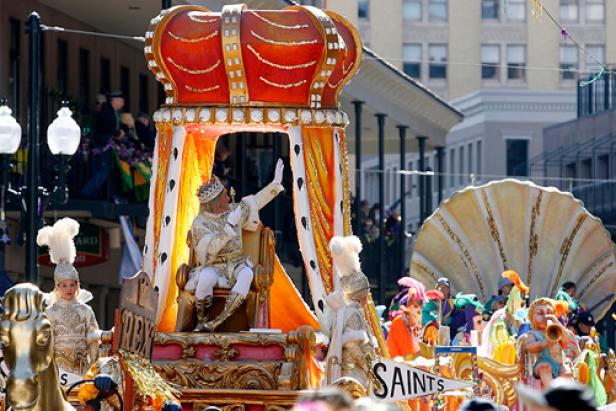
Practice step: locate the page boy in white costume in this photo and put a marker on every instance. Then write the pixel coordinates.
(75, 330)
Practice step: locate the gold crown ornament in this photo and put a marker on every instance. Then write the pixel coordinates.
(210, 190)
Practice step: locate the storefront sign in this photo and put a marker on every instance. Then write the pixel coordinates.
(92, 245)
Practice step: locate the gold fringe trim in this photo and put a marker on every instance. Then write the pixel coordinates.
(195, 40)
(194, 71)
(280, 66)
(283, 43)
(290, 85)
(280, 26)
(201, 90)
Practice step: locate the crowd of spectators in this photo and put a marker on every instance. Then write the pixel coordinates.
(117, 149)
(367, 227)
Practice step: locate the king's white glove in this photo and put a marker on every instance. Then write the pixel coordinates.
(278, 172)
(232, 221)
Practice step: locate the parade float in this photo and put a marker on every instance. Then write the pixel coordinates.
(213, 319)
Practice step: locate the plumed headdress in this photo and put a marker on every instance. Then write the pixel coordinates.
(60, 240)
(210, 190)
(62, 252)
(345, 255)
(415, 290)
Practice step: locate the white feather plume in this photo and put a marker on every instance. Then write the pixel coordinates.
(60, 240)
(345, 254)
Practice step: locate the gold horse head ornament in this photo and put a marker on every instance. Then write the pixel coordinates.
(27, 344)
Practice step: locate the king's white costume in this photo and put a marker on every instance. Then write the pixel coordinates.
(75, 329)
(217, 245)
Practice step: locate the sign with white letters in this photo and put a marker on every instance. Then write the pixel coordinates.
(399, 381)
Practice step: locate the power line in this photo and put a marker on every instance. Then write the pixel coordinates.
(479, 176)
(92, 33)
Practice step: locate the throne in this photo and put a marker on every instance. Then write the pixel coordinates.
(260, 246)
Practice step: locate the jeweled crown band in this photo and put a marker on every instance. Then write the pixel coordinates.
(210, 190)
(252, 115)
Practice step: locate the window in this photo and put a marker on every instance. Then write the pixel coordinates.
(411, 53)
(517, 158)
(362, 9)
(595, 10)
(452, 168)
(144, 99)
(105, 75)
(437, 54)
(598, 52)
(490, 61)
(479, 158)
(411, 10)
(516, 10)
(62, 74)
(14, 59)
(516, 62)
(569, 10)
(489, 9)
(568, 62)
(461, 171)
(125, 86)
(437, 10)
(84, 80)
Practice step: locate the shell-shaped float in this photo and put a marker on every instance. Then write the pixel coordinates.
(544, 234)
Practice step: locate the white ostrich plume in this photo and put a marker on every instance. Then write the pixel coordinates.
(60, 240)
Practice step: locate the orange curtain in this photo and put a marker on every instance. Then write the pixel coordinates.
(284, 294)
(321, 185)
(197, 159)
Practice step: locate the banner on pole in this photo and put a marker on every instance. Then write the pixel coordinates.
(399, 381)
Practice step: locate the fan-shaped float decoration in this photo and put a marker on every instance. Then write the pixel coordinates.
(546, 235)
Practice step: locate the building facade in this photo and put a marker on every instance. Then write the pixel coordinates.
(509, 72)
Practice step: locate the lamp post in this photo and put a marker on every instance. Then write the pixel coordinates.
(63, 137)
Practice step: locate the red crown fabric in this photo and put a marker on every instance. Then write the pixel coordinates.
(297, 57)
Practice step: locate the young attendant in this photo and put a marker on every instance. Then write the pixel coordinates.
(75, 330)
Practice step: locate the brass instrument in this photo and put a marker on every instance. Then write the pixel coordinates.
(553, 331)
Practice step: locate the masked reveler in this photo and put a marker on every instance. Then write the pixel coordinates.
(75, 330)
(217, 244)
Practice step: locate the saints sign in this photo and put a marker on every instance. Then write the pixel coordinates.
(399, 381)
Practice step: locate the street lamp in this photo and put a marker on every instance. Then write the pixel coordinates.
(63, 137)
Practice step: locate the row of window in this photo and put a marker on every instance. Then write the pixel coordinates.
(514, 56)
(511, 10)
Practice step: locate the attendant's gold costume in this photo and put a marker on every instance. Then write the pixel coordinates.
(75, 330)
(76, 335)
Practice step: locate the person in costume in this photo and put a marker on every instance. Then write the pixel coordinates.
(352, 346)
(473, 313)
(217, 244)
(404, 333)
(75, 330)
(439, 310)
(568, 293)
(547, 352)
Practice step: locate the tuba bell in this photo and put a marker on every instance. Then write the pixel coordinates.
(553, 331)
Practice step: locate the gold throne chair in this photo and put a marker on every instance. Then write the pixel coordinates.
(260, 246)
